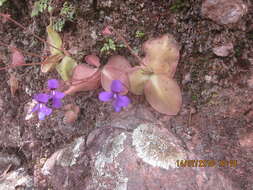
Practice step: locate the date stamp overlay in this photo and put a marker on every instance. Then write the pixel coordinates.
(206, 163)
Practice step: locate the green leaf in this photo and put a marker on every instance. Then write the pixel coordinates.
(35, 10)
(84, 78)
(54, 39)
(137, 79)
(65, 68)
(2, 2)
(139, 34)
(163, 94)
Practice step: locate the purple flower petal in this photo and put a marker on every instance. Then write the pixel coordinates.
(41, 97)
(52, 84)
(57, 103)
(122, 101)
(116, 86)
(44, 109)
(105, 96)
(35, 108)
(116, 107)
(57, 94)
(41, 116)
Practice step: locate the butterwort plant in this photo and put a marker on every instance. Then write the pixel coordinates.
(153, 77)
(46, 102)
(114, 95)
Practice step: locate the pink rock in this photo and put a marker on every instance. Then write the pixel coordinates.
(224, 11)
(223, 50)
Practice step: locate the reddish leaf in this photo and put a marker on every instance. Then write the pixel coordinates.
(106, 31)
(162, 54)
(116, 69)
(84, 78)
(92, 60)
(163, 94)
(17, 57)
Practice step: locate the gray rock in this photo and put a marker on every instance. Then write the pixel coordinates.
(8, 159)
(146, 157)
(18, 179)
(224, 11)
(67, 168)
(131, 153)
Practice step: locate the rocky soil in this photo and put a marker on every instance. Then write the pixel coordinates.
(137, 148)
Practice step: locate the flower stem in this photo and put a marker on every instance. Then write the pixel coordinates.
(24, 52)
(7, 17)
(25, 64)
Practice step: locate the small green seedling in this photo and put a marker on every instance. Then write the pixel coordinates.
(139, 34)
(40, 6)
(108, 46)
(68, 11)
(67, 14)
(178, 5)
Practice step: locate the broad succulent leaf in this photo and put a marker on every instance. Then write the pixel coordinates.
(116, 69)
(163, 94)
(138, 77)
(50, 62)
(66, 67)
(84, 78)
(54, 39)
(162, 54)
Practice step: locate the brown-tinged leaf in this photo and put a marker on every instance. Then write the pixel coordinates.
(17, 57)
(54, 39)
(13, 82)
(84, 78)
(65, 68)
(50, 62)
(164, 95)
(71, 114)
(138, 77)
(92, 60)
(116, 69)
(162, 54)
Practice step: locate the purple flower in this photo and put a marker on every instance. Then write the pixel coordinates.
(119, 101)
(45, 101)
(56, 96)
(42, 109)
